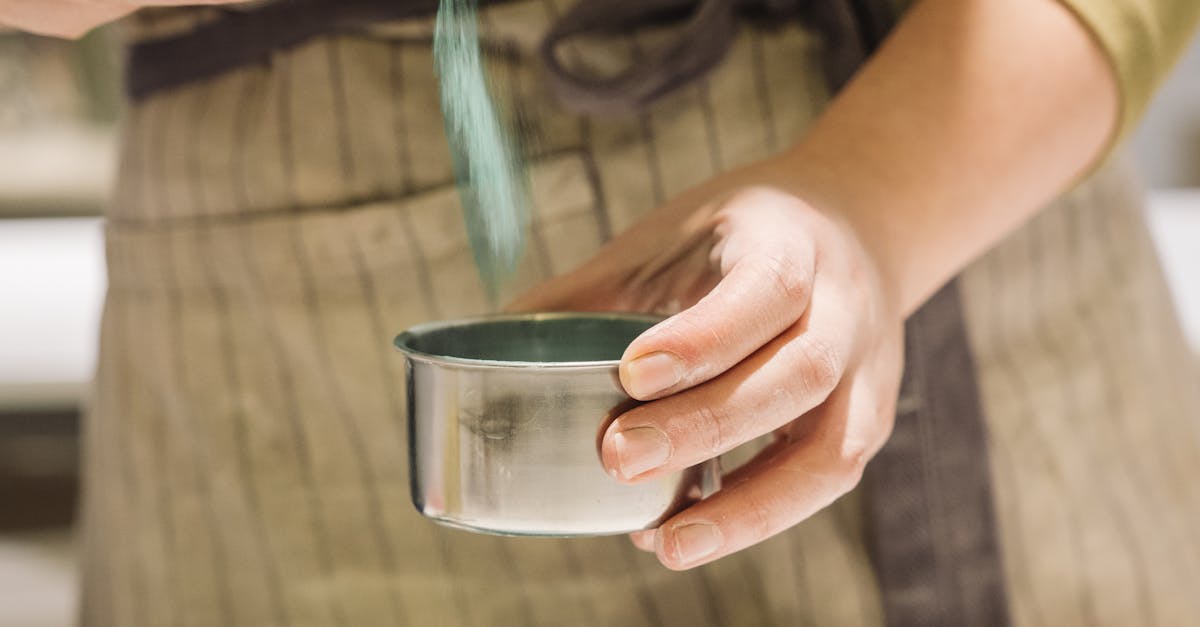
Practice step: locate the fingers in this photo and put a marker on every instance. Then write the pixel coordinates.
(765, 289)
(785, 484)
(644, 540)
(788, 377)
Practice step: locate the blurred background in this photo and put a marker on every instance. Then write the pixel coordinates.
(59, 105)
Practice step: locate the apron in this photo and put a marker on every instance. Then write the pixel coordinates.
(276, 223)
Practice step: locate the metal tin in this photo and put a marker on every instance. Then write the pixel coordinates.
(505, 416)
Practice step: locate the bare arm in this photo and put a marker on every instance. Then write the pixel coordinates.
(59, 18)
(74, 18)
(972, 116)
(970, 119)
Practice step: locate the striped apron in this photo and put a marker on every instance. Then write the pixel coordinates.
(276, 222)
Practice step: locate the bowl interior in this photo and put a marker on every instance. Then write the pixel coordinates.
(540, 338)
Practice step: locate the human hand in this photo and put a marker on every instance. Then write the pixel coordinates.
(787, 327)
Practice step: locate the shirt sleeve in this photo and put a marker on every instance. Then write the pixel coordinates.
(1142, 39)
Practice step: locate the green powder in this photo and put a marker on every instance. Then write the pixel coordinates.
(487, 163)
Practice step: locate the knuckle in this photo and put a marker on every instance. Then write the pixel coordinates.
(821, 366)
(752, 195)
(843, 467)
(706, 430)
(758, 519)
(788, 278)
(691, 337)
(842, 463)
(851, 462)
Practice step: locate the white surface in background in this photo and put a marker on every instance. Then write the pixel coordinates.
(51, 290)
(1167, 144)
(60, 165)
(1175, 223)
(37, 579)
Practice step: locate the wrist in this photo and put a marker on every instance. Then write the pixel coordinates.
(891, 245)
(942, 145)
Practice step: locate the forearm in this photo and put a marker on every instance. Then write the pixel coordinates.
(973, 116)
(74, 18)
(60, 18)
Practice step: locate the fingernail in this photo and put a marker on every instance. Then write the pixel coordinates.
(696, 541)
(641, 449)
(650, 374)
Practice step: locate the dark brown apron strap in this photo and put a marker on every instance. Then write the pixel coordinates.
(847, 28)
(693, 51)
(240, 38)
(931, 519)
(931, 524)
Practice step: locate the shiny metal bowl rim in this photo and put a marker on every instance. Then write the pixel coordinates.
(401, 341)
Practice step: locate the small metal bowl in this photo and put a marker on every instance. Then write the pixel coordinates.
(505, 416)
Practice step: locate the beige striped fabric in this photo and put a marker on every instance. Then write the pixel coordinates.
(1093, 414)
(274, 226)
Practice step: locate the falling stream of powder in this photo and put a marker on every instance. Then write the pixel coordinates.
(488, 166)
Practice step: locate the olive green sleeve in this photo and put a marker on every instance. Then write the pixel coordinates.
(1143, 39)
